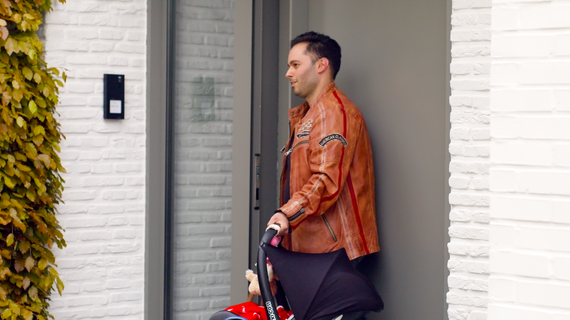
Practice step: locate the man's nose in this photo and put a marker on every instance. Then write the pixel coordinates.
(289, 74)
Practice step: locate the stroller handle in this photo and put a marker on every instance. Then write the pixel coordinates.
(263, 276)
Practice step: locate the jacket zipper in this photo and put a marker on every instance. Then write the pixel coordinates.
(330, 229)
(295, 146)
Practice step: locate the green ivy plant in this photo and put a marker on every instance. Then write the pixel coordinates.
(30, 182)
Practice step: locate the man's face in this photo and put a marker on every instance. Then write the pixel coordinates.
(302, 71)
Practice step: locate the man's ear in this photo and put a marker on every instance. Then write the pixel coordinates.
(322, 65)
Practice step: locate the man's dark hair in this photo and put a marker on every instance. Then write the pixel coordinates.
(321, 46)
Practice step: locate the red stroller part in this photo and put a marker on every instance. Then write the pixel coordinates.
(317, 286)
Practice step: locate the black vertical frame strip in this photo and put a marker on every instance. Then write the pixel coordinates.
(264, 118)
(169, 170)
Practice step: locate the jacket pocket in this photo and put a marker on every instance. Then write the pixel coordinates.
(329, 227)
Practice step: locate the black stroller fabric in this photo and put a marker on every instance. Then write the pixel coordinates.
(319, 285)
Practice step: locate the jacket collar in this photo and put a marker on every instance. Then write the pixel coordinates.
(300, 110)
(328, 89)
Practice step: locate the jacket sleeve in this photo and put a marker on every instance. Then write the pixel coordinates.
(332, 143)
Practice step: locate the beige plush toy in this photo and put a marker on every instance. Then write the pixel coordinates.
(254, 282)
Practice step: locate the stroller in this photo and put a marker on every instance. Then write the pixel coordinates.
(317, 286)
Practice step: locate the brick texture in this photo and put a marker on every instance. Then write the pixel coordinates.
(469, 149)
(530, 160)
(103, 215)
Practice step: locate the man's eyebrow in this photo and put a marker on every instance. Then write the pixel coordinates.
(292, 61)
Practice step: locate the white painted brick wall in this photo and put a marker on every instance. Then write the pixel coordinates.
(103, 215)
(203, 143)
(530, 161)
(469, 148)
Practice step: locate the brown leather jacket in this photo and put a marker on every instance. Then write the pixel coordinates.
(328, 171)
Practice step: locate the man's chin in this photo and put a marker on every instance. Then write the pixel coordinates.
(299, 94)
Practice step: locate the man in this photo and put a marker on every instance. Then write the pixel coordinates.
(327, 182)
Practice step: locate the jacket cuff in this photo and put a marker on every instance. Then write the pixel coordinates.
(295, 218)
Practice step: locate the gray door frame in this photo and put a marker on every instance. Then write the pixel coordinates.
(241, 154)
(156, 286)
(254, 199)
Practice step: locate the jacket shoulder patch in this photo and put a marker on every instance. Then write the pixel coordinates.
(331, 137)
(305, 129)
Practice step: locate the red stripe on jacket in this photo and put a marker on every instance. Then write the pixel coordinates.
(344, 125)
(357, 213)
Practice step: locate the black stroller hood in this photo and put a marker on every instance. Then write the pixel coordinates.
(319, 285)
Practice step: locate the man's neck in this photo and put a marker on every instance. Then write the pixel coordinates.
(312, 98)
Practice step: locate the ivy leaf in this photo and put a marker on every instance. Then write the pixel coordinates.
(28, 74)
(10, 239)
(30, 194)
(59, 285)
(16, 220)
(9, 170)
(32, 152)
(33, 106)
(45, 159)
(7, 313)
(16, 84)
(5, 272)
(14, 308)
(30, 263)
(38, 140)
(32, 54)
(17, 94)
(33, 293)
(23, 167)
(20, 122)
(8, 181)
(6, 254)
(24, 246)
(19, 265)
(41, 103)
(42, 264)
(37, 78)
(39, 130)
(28, 315)
(20, 156)
(4, 32)
(10, 45)
(26, 283)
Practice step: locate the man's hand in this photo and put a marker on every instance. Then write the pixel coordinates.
(280, 219)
